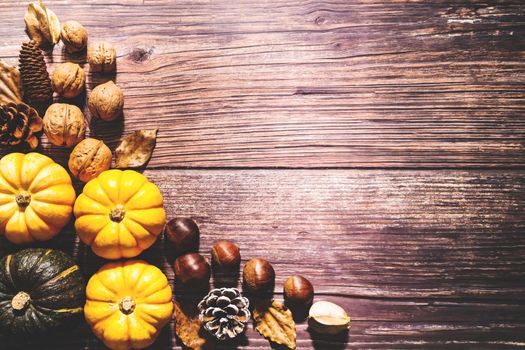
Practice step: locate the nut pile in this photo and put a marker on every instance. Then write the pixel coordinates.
(123, 228)
(64, 124)
(223, 312)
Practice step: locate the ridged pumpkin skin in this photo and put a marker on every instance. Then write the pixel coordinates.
(127, 304)
(36, 197)
(119, 214)
(41, 292)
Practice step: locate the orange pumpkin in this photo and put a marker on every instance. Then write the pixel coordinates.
(119, 214)
(128, 303)
(36, 197)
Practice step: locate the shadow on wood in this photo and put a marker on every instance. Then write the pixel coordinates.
(325, 341)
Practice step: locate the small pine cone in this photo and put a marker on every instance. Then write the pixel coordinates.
(224, 313)
(35, 78)
(19, 123)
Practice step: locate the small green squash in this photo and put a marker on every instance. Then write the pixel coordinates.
(41, 291)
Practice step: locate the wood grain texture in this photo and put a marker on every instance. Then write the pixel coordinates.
(420, 259)
(310, 83)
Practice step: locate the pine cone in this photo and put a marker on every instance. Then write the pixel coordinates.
(224, 313)
(19, 123)
(35, 79)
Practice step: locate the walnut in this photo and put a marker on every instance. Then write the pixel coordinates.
(74, 36)
(88, 159)
(106, 101)
(42, 25)
(68, 79)
(102, 57)
(64, 124)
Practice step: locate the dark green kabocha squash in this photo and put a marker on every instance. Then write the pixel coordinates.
(41, 291)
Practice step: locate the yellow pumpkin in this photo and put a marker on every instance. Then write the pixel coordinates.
(127, 304)
(36, 197)
(119, 214)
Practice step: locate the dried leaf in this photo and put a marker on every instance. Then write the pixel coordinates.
(188, 328)
(10, 84)
(42, 24)
(135, 149)
(275, 322)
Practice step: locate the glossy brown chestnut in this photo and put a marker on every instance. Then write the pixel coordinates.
(192, 270)
(258, 276)
(183, 235)
(298, 291)
(225, 255)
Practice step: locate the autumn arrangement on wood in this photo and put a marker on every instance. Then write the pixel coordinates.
(118, 213)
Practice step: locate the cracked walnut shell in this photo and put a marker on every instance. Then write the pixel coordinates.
(68, 79)
(64, 124)
(74, 36)
(42, 25)
(106, 101)
(102, 57)
(89, 158)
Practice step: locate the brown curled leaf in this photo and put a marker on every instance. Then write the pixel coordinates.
(188, 328)
(10, 84)
(135, 149)
(275, 322)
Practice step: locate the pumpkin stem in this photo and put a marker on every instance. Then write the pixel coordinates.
(20, 301)
(127, 305)
(23, 199)
(117, 214)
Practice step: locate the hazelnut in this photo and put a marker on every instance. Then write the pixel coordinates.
(64, 124)
(88, 159)
(183, 234)
(192, 270)
(258, 276)
(102, 57)
(106, 101)
(298, 291)
(74, 36)
(68, 79)
(225, 255)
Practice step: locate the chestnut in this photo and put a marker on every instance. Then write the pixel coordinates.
(258, 276)
(298, 291)
(225, 255)
(192, 270)
(183, 235)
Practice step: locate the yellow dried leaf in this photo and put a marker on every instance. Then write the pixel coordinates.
(188, 328)
(135, 149)
(275, 322)
(10, 84)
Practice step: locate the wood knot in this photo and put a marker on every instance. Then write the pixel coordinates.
(320, 20)
(140, 54)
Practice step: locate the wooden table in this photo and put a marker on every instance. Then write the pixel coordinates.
(375, 147)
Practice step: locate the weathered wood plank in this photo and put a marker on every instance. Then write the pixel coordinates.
(310, 84)
(420, 259)
(367, 233)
